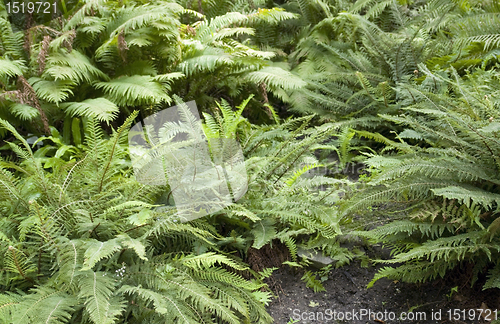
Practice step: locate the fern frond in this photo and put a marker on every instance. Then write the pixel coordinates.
(24, 112)
(52, 91)
(133, 90)
(493, 278)
(100, 108)
(469, 195)
(276, 77)
(207, 260)
(96, 289)
(9, 68)
(96, 251)
(74, 67)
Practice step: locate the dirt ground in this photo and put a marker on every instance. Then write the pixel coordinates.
(347, 300)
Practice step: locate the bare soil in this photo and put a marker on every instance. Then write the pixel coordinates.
(346, 295)
(347, 300)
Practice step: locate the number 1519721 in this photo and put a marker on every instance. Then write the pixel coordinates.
(31, 7)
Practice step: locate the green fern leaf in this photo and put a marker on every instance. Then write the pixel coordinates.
(134, 90)
(276, 78)
(133, 244)
(52, 91)
(9, 69)
(493, 278)
(100, 108)
(263, 232)
(96, 289)
(45, 305)
(469, 194)
(97, 251)
(24, 112)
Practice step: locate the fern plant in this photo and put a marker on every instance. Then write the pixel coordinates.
(353, 59)
(282, 201)
(108, 58)
(442, 170)
(83, 244)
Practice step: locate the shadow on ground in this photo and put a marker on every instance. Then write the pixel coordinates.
(347, 300)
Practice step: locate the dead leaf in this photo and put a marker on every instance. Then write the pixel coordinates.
(486, 313)
(377, 320)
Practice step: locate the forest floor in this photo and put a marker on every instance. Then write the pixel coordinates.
(347, 300)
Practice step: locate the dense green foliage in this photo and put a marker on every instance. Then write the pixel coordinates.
(444, 169)
(108, 58)
(409, 89)
(87, 245)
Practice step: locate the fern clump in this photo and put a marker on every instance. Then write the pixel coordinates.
(284, 201)
(83, 243)
(106, 59)
(442, 172)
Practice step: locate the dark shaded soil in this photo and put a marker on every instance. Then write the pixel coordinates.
(346, 295)
(347, 300)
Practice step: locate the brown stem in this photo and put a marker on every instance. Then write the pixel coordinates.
(200, 9)
(411, 94)
(18, 266)
(133, 228)
(28, 95)
(291, 164)
(92, 231)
